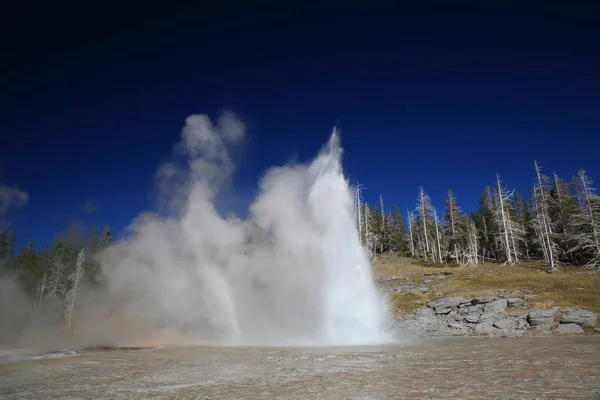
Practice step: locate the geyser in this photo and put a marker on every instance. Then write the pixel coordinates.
(292, 273)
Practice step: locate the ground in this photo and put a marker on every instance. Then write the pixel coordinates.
(551, 367)
(570, 287)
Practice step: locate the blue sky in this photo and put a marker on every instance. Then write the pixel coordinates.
(432, 95)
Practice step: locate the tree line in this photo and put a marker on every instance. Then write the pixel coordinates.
(558, 222)
(54, 276)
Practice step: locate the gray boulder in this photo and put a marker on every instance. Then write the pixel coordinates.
(489, 317)
(497, 306)
(542, 317)
(579, 317)
(471, 318)
(516, 302)
(568, 329)
(444, 306)
(476, 309)
(522, 323)
(485, 327)
(506, 323)
(457, 326)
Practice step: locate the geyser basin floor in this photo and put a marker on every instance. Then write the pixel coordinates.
(553, 367)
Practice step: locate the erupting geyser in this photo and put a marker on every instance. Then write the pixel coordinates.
(292, 273)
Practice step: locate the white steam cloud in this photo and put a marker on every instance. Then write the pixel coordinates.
(292, 273)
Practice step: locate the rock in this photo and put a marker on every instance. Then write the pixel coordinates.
(544, 332)
(541, 317)
(505, 323)
(486, 327)
(497, 306)
(482, 300)
(445, 305)
(489, 317)
(516, 302)
(471, 309)
(422, 289)
(471, 318)
(457, 326)
(596, 330)
(529, 297)
(522, 323)
(540, 328)
(465, 303)
(579, 288)
(392, 278)
(568, 329)
(579, 317)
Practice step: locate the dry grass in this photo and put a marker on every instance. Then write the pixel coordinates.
(570, 287)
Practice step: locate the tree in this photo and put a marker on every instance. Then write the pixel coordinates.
(589, 236)
(55, 284)
(28, 267)
(105, 237)
(400, 233)
(45, 263)
(425, 226)
(455, 227)
(75, 283)
(509, 229)
(541, 193)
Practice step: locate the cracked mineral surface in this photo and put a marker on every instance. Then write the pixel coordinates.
(528, 367)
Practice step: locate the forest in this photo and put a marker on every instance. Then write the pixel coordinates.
(558, 223)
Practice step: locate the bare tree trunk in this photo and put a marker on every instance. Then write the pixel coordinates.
(437, 234)
(75, 279)
(504, 221)
(41, 291)
(358, 205)
(410, 233)
(545, 218)
(588, 201)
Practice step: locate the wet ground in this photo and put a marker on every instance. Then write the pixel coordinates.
(544, 368)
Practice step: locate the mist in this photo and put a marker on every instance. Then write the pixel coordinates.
(292, 273)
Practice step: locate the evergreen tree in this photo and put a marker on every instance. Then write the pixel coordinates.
(28, 267)
(105, 237)
(455, 229)
(400, 233)
(3, 249)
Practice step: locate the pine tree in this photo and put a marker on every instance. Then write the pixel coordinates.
(105, 237)
(425, 227)
(455, 228)
(526, 220)
(28, 267)
(486, 224)
(3, 249)
(400, 233)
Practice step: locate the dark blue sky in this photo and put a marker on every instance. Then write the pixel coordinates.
(93, 99)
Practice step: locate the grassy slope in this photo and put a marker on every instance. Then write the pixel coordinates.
(557, 289)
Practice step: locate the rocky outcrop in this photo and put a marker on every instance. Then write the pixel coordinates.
(542, 317)
(579, 317)
(568, 329)
(491, 316)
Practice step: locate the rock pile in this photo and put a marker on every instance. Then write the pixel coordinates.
(491, 316)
